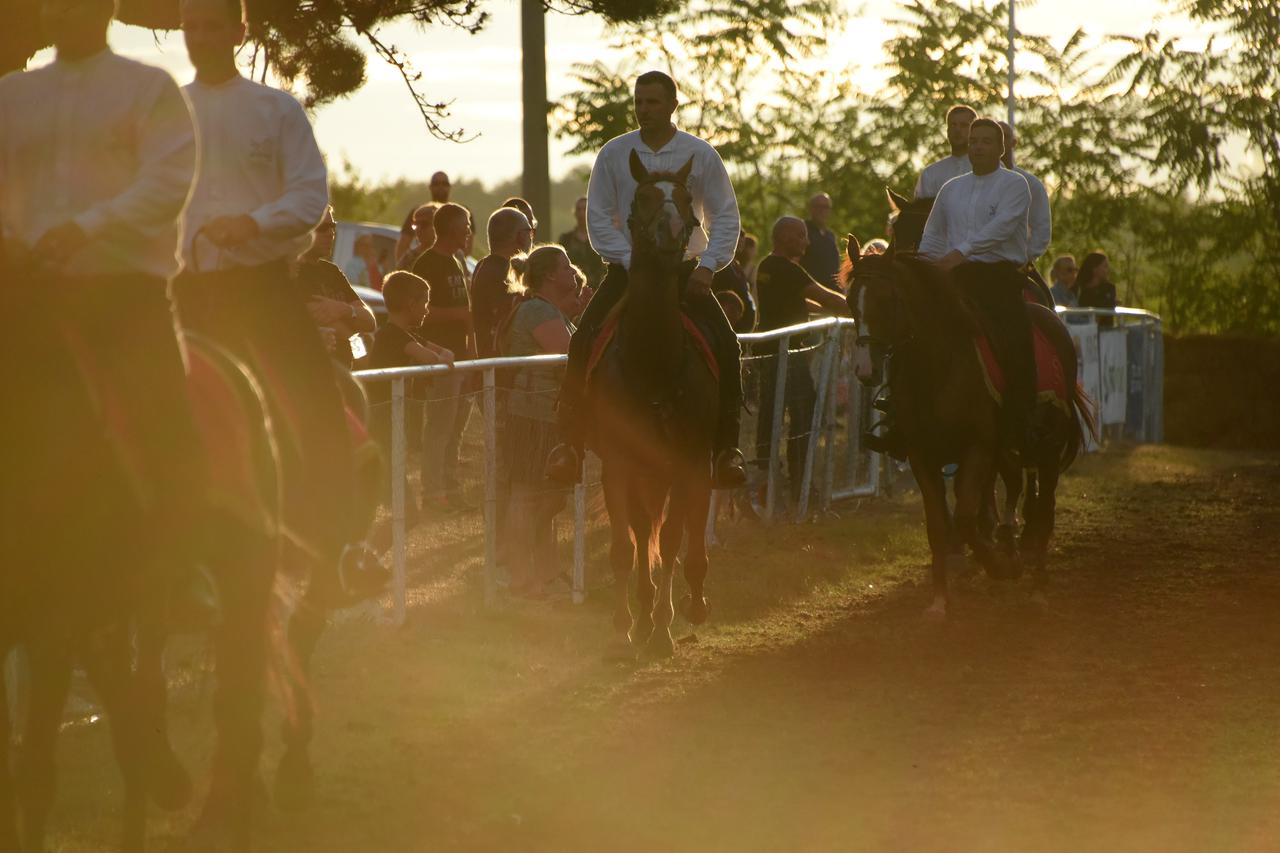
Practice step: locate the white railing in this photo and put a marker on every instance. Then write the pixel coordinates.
(834, 466)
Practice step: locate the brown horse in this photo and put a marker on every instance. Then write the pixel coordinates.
(81, 574)
(910, 311)
(653, 401)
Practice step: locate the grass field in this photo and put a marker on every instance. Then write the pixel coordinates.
(817, 710)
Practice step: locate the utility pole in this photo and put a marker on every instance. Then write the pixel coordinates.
(536, 182)
(1013, 34)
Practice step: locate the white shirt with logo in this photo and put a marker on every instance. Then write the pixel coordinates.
(258, 156)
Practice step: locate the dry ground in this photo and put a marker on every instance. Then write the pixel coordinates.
(819, 711)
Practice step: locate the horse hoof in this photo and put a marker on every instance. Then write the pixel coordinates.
(640, 633)
(695, 612)
(169, 783)
(660, 646)
(295, 781)
(1006, 540)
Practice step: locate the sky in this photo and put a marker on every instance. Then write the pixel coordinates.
(379, 131)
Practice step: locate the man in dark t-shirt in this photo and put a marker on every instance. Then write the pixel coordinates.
(577, 244)
(332, 302)
(491, 296)
(733, 279)
(786, 294)
(448, 325)
(822, 257)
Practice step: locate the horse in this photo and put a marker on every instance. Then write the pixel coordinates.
(652, 398)
(907, 218)
(907, 309)
(82, 572)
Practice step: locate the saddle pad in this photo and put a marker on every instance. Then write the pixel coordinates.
(1051, 383)
(610, 328)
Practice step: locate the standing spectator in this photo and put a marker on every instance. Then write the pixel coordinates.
(440, 188)
(1095, 289)
(733, 279)
(97, 157)
(936, 174)
(262, 188)
(1039, 217)
(399, 343)
(362, 270)
(786, 293)
(822, 259)
(448, 325)
(539, 324)
(746, 254)
(492, 288)
(333, 304)
(424, 235)
(405, 240)
(1063, 276)
(527, 209)
(578, 245)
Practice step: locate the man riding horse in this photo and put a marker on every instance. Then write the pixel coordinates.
(661, 148)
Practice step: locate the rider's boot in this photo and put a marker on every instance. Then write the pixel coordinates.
(729, 470)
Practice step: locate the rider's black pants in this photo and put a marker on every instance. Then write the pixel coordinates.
(996, 291)
(260, 315)
(703, 310)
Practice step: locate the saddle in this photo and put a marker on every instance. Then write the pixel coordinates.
(699, 339)
(1051, 380)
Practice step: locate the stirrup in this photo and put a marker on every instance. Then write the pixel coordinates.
(564, 465)
(730, 471)
(882, 403)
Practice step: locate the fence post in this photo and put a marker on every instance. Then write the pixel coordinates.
(398, 453)
(490, 489)
(829, 427)
(815, 425)
(775, 439)
(580, 540)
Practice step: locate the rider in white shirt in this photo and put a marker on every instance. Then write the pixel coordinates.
(661, 148)
(1040, 217)
(978, 231)
(936, 174)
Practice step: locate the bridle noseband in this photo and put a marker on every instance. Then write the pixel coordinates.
(690, 225)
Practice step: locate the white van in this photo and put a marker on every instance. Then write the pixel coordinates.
(384, 238)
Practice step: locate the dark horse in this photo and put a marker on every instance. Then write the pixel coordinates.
(653, 402)
(909, 310)
(81, 572)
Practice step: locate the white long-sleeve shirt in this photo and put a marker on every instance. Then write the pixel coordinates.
(105, 142)
(937, 174)
(611, 190)
(984, 217)
(258, 156)
(1040, 220)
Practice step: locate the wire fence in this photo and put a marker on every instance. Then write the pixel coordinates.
(466, 444)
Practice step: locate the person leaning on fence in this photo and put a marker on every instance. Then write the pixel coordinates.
(399, 343)
(1063, 278)
(788, 294)
(492, 286)
(448, 325)
(334, 306)
(1094, 287)
(539, 324)
(662, 149)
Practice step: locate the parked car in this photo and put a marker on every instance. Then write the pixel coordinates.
(384, 240)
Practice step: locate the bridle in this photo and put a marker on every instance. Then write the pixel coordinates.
(866, 338)
(690, 224)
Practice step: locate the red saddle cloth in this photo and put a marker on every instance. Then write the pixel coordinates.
(1051, 382)
(610, 328)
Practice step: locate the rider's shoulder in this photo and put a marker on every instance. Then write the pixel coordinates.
(623, 141)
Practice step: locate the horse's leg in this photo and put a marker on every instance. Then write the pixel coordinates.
(294, 775)
(50, 668)
(933, 491)
(1007, 529)
(168, 783)
(643, 533)
(670, 537)
(107, 663)
(975, 472)
(695, 555)
(8, 816)
(1046, 509)
(622, 556)
(240, 649)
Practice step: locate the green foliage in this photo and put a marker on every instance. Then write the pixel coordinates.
(1140, 155)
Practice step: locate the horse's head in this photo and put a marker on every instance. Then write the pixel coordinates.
(907, 219)
(876, 301)
(661, 218)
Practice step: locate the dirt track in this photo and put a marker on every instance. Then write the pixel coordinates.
(1141, 711)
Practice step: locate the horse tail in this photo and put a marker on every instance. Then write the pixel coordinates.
(1081, 414)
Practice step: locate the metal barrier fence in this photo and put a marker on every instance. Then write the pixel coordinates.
(798, 378)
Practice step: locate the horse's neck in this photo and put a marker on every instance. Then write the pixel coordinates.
(651, 325)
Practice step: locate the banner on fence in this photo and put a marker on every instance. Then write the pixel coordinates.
(1113, 358)
(1085, 337)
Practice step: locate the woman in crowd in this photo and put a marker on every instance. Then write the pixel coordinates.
(539, 323)
(1094, 288)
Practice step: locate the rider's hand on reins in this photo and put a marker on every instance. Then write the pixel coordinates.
(228, 231)
(700, 282)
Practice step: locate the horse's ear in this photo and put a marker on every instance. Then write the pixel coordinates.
(638, 171)
(897, 202)
(853, 249)
(682, 175)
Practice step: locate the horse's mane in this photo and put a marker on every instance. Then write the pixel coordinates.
(934, 297)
